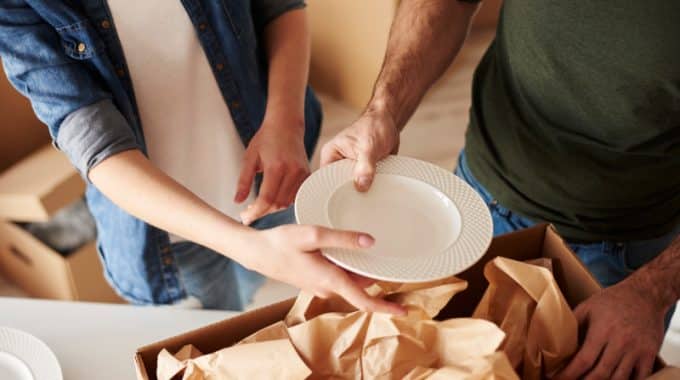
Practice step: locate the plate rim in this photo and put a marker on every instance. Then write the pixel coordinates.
(38, 344)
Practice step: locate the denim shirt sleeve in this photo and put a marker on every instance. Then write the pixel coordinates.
(44, 67)
(264, 11)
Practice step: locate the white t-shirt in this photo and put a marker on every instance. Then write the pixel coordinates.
(188, 129)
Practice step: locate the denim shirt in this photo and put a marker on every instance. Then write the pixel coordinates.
(66, 58)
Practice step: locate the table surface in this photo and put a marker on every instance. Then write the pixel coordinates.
(94, 340)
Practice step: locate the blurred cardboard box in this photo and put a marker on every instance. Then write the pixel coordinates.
(33, 190)
(542, 241)
(20, 131)
(39, 185)
(42, 272)
(349, 38)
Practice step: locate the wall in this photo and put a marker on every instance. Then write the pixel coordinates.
(349, 38)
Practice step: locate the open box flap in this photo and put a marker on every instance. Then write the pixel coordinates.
(36, 187)
(212, 337)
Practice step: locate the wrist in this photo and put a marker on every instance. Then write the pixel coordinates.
(380, 108)
(232, 240)
(655, 287)
(284, 117)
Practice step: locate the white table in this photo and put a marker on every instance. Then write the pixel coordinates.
(670, 351)
(98, 341)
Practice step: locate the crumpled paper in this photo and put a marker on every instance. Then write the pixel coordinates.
(527, 304)
(421, 300)
(492, 367)
(273, 359)
(332, 339)
(170, 365)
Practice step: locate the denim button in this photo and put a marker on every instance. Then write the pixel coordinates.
(106, 24)
(81, 47)
(201, 26)
(219, 67)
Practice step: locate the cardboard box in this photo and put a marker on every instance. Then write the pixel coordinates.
(45, 273)
(33, 189)
(542, 241)
(20, 131)
(36, 187)
(349, 39)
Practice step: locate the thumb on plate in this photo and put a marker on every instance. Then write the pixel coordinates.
(364, 172)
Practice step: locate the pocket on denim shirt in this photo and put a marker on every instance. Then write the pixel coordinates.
(80, 40)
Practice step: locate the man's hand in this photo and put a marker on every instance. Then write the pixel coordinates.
(278, 151)
(624, 329)
(371, 138)
(424, 39)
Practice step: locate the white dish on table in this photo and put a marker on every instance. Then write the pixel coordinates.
(25, 357)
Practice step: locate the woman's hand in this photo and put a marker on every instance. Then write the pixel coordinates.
(278, 151)
(291, 254)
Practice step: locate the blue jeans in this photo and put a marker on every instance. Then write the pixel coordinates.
(214, 279)
(609, 261)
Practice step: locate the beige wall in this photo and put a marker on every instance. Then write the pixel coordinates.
(348, 43)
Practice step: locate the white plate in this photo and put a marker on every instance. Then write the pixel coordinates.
(25, 357)
(428, 223)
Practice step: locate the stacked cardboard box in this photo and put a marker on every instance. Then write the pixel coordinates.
(36, 181)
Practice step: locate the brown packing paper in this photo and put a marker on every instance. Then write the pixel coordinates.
(493, 367)
(525, 301)
(394, 346)
(420, 299)
(337, 342)
(170, 366)
(273, 359)
(329, 338)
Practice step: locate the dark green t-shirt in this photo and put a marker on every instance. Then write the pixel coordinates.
(576, 116)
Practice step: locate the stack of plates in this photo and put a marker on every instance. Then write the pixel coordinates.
(428, 223)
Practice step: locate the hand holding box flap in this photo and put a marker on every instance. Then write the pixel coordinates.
(274, 359)
(525, 301)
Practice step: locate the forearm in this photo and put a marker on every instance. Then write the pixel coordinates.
(133, 183)
(426, 36)
(661, 276)
(288, 49)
